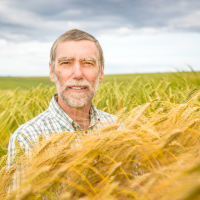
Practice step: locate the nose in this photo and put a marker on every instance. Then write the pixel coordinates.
(77, 71)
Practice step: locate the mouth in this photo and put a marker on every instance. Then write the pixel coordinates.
(77, 88)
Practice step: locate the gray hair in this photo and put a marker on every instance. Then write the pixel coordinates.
(76, 35)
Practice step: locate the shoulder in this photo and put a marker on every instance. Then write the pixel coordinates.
(27, 134)
(31, 129)
(39, 120)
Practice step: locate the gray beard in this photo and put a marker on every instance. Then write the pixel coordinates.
(76, 100)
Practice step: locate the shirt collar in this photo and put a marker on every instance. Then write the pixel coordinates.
(63, 118)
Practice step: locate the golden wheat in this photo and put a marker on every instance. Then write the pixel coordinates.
(152, 152)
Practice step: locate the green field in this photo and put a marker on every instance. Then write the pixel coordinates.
(152, 152)
(25, 83)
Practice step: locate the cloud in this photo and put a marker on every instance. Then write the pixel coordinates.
(130, 54)
(136, 35)
(25, 20)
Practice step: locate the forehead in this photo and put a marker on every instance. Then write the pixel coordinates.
(77, 49)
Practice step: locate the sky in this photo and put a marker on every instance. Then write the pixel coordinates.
(137, 36)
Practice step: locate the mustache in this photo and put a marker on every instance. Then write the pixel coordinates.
(77, 83)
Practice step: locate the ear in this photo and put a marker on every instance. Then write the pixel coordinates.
(51, 73)
(101, 74)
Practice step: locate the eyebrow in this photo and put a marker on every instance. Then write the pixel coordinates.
(88, 59)
(62, 59)
(65, 59)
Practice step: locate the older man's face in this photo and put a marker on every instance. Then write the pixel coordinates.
(76, 72)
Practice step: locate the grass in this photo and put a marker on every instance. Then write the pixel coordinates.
(25, 83)
(154, 155)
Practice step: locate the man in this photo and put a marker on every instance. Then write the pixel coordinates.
(77, 67)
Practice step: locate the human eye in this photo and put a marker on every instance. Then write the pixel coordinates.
(89, 63)
(65, 63)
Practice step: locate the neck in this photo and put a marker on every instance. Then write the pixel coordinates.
(80, 115)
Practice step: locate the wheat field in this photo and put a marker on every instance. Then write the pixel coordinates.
(152, 152)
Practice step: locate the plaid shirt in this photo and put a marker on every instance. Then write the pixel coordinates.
(53, 120)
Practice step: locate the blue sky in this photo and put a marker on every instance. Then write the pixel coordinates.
(136, 35)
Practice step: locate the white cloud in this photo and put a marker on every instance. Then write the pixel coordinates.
(151, 53)
(130, 54)
(137, 39)
(24, 59)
